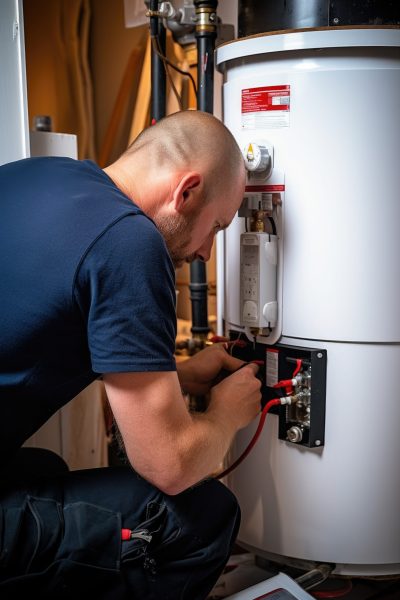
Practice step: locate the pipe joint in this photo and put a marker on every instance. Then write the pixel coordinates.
(206, 17)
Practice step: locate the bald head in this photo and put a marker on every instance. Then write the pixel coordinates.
(187, 174)
(192, 140)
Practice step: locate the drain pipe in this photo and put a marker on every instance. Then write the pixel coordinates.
(158, 77)
(315, 577)
(205, 33)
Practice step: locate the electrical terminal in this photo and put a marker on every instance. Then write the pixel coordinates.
(287, 383)
(289, 400)
(298, 379)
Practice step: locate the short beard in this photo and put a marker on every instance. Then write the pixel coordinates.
(176, 232)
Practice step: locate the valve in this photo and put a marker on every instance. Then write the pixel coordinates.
(257, 158)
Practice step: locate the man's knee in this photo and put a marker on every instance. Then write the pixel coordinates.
(206, 520)
(210, 509)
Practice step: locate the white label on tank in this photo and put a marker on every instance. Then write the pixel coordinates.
(263, 196)
(267, 107)
(271, 357)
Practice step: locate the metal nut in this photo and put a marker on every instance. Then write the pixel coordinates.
(294, 434)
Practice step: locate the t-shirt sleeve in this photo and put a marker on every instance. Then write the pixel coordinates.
(125, 289)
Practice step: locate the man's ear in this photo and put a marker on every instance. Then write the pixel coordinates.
(184, 190)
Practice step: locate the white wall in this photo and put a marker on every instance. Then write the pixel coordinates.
(14, 138)
(227, 10)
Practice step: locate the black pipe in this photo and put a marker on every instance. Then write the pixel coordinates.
(198, 296)
(206, 33)
(158, 77)
(205, 72)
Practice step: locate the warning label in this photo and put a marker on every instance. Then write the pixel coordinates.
(267, 106)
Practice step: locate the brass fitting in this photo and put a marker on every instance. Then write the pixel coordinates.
(206, 19)
(259, 224)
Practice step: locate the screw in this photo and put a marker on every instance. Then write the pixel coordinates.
(320, 355)
(317, 442)
(15, 29)
(336, 20)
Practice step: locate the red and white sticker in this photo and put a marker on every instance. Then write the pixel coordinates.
(267, 106)
(272, 364)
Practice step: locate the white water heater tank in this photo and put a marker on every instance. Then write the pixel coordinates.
(327, 102)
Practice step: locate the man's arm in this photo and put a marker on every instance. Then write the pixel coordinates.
(165, 443)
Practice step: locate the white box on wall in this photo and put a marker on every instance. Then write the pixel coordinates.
(49, 143)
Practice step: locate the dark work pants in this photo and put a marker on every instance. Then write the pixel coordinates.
(60, 536)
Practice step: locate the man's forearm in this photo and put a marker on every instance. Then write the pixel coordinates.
(205, 443)
(168, 445)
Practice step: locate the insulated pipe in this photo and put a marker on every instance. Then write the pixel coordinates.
(158, 78)
(206, 33)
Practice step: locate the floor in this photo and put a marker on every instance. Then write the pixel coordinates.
(243, 570)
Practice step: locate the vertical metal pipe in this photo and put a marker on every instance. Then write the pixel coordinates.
(205, 71)
(198, 287)
(206, 33)
(158, 77)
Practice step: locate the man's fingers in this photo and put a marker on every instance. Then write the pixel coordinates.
(216, 339)
(255, 367)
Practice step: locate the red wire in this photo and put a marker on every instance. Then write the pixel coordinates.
(287, 383)
(270, 404)
(299, 362)
(338, 593)
(215, 339)
(283, 383)
(253, 440)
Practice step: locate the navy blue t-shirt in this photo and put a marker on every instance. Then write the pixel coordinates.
(86, 287)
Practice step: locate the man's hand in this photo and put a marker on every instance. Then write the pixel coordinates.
(198, 374)
(236, 400)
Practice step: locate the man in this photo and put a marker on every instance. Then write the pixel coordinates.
(87, 275)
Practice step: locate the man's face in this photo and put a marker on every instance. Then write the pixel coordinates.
(190, 237)
(177, 232)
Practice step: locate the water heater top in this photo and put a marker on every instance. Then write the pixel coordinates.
(308, 39)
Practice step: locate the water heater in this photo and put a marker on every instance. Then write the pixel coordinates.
(309, 281)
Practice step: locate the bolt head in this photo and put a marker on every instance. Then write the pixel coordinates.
(317, 442)
(294, 434)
